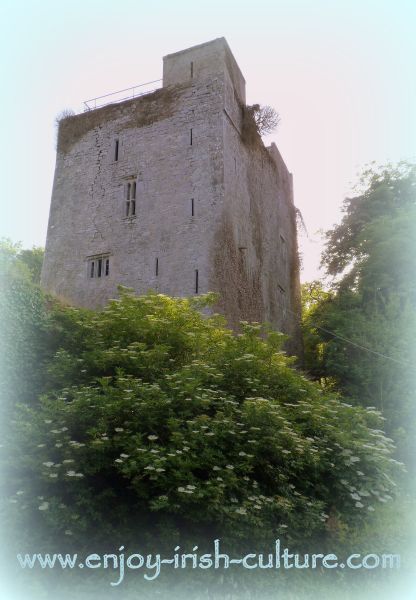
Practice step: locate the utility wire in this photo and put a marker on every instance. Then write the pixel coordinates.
(406, 364)
(344, 339)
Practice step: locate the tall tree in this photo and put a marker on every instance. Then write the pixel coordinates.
(23, 324)
(359, 337)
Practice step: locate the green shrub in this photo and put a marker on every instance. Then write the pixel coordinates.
(160, 421)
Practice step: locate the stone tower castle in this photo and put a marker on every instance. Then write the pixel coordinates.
(175, 191)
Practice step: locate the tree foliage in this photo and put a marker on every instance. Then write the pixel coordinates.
(379, 221)
(156, 418)
(23, 325)
(359, 336)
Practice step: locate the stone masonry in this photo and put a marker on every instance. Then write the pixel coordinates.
(172, 191)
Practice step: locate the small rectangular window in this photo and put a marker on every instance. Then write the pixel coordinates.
(157, 267)
(128, 191)
(116, 150)
(196, 281)
(190, 140)
(133, 190)
(127, 209)
(133, 208)
(192, 207)
(98, 266)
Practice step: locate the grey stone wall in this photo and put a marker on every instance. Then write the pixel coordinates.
(206, 200)
(255, 254)
(204, 61)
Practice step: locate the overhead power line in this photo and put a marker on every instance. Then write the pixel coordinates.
(348, 341)
(344, 339)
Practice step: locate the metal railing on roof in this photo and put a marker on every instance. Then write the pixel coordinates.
(114, 97)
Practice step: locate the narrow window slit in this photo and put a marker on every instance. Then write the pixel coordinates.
(157, 267)
(100, 266)
(191, 138)
(196, 281)
(92, 269)
(192, 207)
(192, 69)
(107, 266)
(116, 150)
(133, 208)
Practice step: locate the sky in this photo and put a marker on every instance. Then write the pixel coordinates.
(341, 74)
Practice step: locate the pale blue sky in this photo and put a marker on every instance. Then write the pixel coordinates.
(341, 74)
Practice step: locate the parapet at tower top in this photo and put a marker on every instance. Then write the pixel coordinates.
(207, 59)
